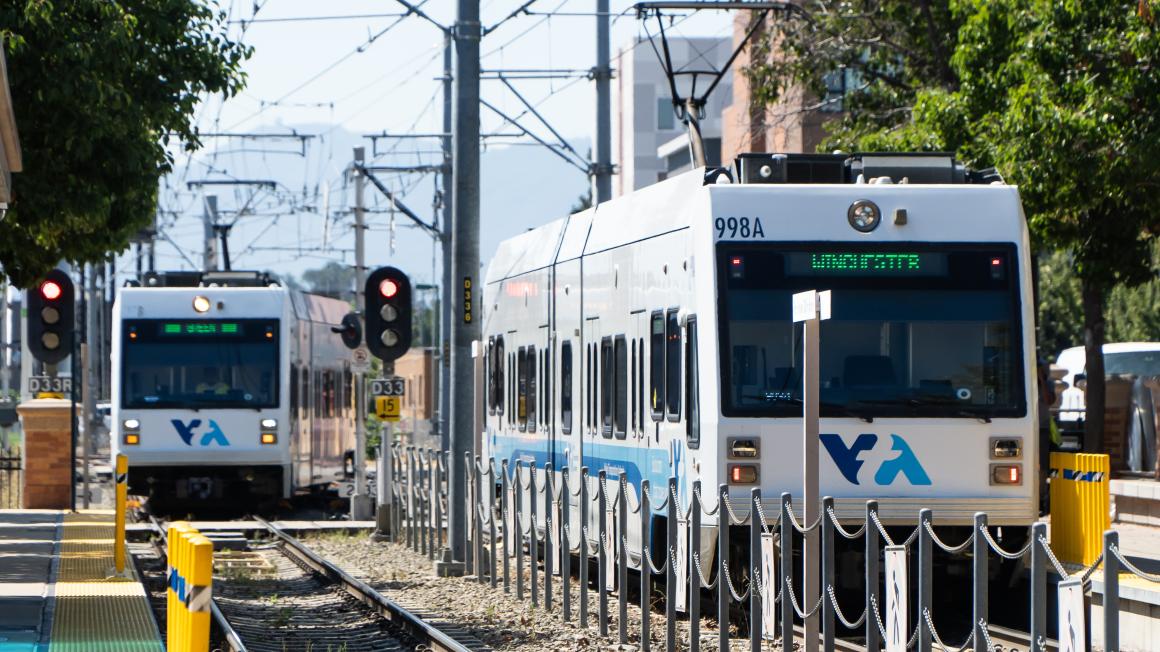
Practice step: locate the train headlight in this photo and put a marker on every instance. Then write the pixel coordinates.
(131, 424)
(864, 215)
(743, 473)
(744, 447)
(1006, 448)
(1007, 474)
(201, 304)
(269, 424)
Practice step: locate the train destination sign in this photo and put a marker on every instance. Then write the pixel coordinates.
(200, 328)
(866, 263)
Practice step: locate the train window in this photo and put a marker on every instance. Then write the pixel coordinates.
(673, 365)
(522, 387)
(512, 388)
(531, 402)
(620, 388)
(546, 379)
(588, 397)
(640, 384)
(692, 400)
(656, 375)
(489, 374)
(606, 385)
(498, 371)
(566, 387)
(632, 389)
(293, 387)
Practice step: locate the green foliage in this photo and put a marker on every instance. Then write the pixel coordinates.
(99, 88)
(332, 280)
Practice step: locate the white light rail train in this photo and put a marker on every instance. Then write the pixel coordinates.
(230, 390)
(652, 336)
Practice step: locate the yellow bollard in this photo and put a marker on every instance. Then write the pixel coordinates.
(1080, 505)
(200, 592)
(174, 597)
(122, 476)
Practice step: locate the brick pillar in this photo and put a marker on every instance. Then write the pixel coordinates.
(47, 453)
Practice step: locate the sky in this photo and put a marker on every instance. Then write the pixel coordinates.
(338, 79)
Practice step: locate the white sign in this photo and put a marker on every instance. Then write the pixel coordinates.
(682, 568)
(360, 362)
(393, 386)
(611, 535)
(769, 583)
(49, 385)
(1072, 637)
(513, 536)
(897, 632)
(811, 305)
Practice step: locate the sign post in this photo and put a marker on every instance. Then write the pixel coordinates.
(810, 308)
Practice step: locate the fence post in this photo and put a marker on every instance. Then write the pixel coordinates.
(602, 552)
(785, 572)
(491, 520)
(925, 577)
(424, 483)
(722, 563)
(122, 478)
(755, 607)
(671, 576)
(506, 533)
(470, 565)
(533, 547)
(476, 510)
(550, 536)
(411, 539)
(694, 565)
(1111, 592)
(645, 567)
(565, 544)
(400, 504)
(517, 512)
(583, 546)
(622, 559)
(1038, 584)
(827, 574)
(979, 581)
(871, 626)
(433, 515)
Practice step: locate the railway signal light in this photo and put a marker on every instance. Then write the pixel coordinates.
(388, 313)
(350, 330)
(51, 321)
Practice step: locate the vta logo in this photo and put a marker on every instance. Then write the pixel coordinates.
(213, 434)
(848, 462)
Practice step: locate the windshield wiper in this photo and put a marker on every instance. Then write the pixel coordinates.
(926, 401)
(841, 408)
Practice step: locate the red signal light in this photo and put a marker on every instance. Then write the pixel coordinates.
(388, 288)
(50, 290)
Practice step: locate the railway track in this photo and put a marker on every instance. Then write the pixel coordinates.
(278, 595)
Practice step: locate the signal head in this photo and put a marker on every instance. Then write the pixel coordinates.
(50, 290)
(51, 321)
(388, 288)
(388, 313)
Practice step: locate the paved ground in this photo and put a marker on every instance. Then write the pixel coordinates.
(27, 542)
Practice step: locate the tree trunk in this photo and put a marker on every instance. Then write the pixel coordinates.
(1093, 340)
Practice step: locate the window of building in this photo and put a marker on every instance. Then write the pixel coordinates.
(673, 365)
(692, 401)
(606, 385)
(566, 387)
(666, 118)
(656, 388)
(620, 388)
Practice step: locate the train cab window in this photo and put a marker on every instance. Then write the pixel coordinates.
(531, 399)
(606, 386)
(522, 390)
(692, 400)
(673, 365)
(620, 388)
(566, 387)
(656, 376)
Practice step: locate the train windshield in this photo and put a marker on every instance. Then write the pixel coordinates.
(915, 329)
(199, 364)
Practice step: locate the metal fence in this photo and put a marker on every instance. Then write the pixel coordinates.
(11, 477)
(508, 531)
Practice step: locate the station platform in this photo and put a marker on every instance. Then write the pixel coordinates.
(59, 591)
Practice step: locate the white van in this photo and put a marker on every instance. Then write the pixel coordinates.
(1134, 358)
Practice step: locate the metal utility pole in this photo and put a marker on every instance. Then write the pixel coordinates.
(465, 273)
(360, 503)
(209, 218)
(89, 355)
(602, 73)
(445, 303)
(810, 308)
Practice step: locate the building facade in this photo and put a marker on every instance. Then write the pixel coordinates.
(644, 123)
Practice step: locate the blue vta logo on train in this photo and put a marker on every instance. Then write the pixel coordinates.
(849, 462)
(211, 434)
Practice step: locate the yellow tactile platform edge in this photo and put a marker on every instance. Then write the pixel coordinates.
(95, 612)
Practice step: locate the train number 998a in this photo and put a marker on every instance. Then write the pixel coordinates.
(738, 227)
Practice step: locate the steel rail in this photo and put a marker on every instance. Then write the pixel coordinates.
(363, 592)
(219, 619)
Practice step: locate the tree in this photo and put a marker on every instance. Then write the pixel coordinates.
(99, 89)
(331, 280)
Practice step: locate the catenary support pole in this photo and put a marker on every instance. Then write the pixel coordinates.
(602, 74)
(360, 502)
(464, 271)
(446, 287)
